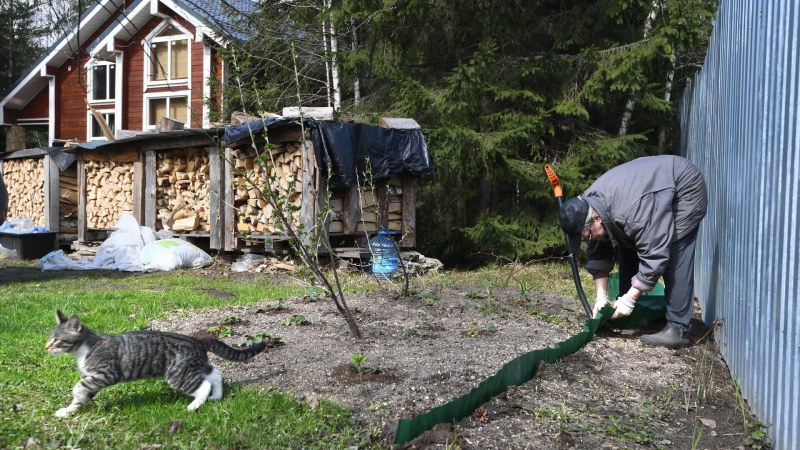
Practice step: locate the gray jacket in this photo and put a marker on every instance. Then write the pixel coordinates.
(646, 205)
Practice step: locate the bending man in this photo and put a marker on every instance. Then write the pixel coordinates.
(648, 211)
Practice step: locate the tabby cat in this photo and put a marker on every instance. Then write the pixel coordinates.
(105, 360)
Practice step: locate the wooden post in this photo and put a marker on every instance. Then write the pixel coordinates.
(322, 202)
(352, 210)
(138, 190)
(150, 211)
(229, 213)
(382, 200)
(307, 197)
(81, 199)
(409, 213)
(52, 190)
(216, 188)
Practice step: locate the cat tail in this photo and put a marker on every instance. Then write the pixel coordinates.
(231, 354)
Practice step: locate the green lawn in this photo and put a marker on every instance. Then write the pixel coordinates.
(33, 384)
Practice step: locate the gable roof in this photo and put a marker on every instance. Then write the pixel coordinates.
(226, 15)
(213, 18)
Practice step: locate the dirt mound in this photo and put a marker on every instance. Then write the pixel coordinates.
(427, 349)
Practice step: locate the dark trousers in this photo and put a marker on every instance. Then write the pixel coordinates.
(678, 277)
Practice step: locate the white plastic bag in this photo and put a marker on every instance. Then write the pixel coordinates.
(21, 226)
(121, 250)
(171, 254)
(7, 252)
(148, 237)
(162, 234)
(248, 263)
(58, 261)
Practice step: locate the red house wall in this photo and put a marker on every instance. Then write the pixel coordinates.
(70, 101)
(10, 115)
(38, 107)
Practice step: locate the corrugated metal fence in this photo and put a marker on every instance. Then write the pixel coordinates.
(740, 125)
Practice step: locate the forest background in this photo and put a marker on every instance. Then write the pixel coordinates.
(499, 87)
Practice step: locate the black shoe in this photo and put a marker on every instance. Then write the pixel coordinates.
(674, 335)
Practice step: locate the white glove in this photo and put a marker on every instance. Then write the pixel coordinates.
(624, 307)
(600, 302)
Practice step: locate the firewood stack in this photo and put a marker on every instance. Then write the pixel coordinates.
(24, 179)
(370, 220)
(182, 184)
(109, 192)
(68, 201)
(68, 186)
(287, 170)
(395, 204)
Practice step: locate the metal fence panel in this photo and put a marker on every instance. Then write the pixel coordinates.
(740, 125)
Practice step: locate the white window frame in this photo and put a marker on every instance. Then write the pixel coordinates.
(104, 113)
(159, 95)
(154, 38)
(90, 83)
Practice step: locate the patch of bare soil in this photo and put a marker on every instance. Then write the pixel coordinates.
(426, 350)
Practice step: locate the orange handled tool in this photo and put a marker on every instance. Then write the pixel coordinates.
(553, 180)
(572, 262)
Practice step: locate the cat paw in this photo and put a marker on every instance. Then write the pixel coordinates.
(193, 406)
(64, 412)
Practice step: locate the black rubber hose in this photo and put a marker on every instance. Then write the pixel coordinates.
(576, 275)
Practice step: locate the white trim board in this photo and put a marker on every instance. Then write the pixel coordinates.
(149, 96)
(152, 37)
(59, 49)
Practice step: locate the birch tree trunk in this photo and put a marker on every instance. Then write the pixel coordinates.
(662, 135)
(327, 63)
(356, 86)
(11, 41)
(337, 96)
(626, 116)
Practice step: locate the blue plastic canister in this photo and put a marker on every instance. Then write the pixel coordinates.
(384, 259)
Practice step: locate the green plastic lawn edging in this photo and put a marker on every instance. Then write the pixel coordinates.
(523, 368)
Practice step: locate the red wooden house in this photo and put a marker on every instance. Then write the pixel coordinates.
(134, 61)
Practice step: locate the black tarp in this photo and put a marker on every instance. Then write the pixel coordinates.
(257, 127)
(61, 156)
(357, 151)
(354, 151)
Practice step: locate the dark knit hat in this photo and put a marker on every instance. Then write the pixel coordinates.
(573, 217)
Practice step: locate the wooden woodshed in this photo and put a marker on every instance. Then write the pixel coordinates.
(187, 181)
(39, 190)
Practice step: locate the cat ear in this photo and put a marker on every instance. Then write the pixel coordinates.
(60, 317)
(74, 323)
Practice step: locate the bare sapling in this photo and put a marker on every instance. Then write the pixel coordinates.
(283, 211)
